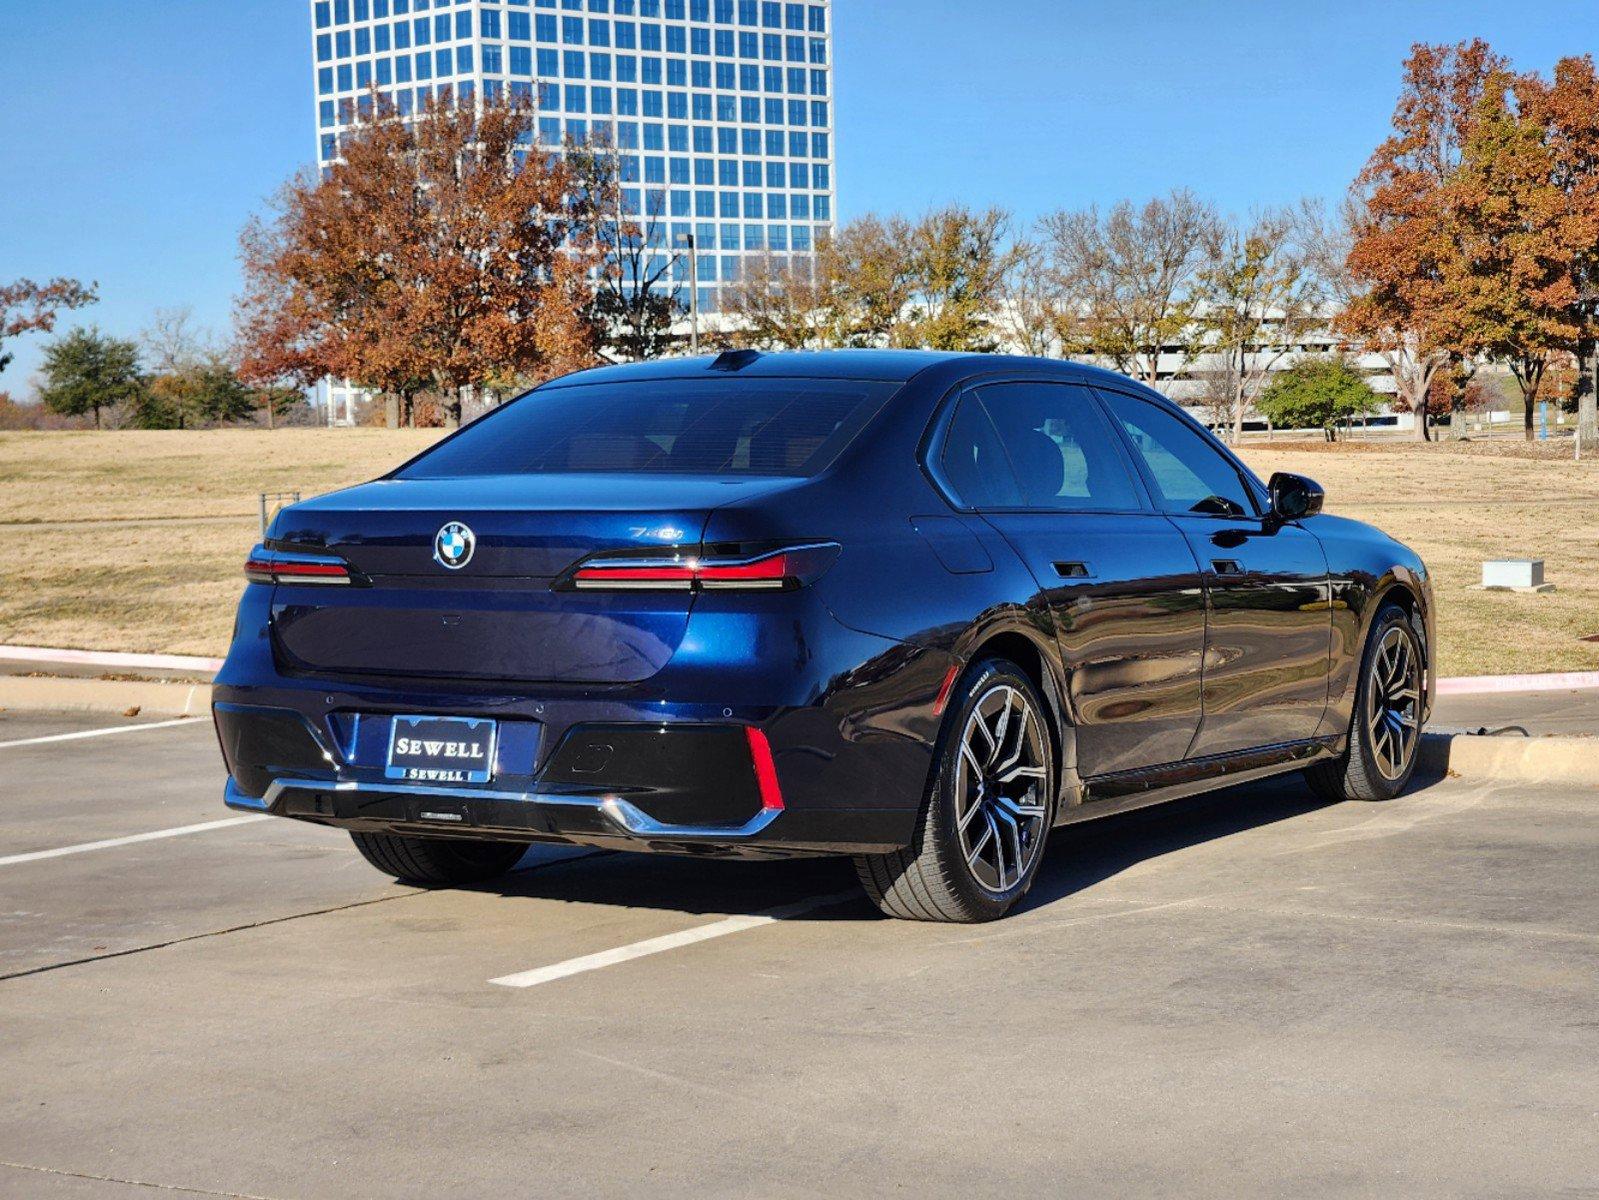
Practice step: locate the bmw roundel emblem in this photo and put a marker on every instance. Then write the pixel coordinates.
(453, 546)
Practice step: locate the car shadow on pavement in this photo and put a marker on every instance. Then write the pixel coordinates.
(1082, 855)
(1079, 857)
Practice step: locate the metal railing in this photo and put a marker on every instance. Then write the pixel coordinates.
(271, 502)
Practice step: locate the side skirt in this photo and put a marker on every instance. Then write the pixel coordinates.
(1107, 794)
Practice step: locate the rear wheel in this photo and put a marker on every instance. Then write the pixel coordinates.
(437, 862)
(1385, 731)
(988, 813)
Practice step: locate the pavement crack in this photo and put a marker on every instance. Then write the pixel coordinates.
(200, 937)
(263, 924)
(143, 1183)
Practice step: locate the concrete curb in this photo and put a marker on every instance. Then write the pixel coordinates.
(1563, 760)
(47, 656)
(105, 695)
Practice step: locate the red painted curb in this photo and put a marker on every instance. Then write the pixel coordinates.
(1482, 685)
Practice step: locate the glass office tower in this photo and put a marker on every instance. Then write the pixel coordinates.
(720, 111)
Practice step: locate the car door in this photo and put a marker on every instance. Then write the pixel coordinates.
(1120, 584)
(1269, 640)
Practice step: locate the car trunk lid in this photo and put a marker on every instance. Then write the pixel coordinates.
(492, 614)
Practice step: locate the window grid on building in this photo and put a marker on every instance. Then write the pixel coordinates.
(720, 111)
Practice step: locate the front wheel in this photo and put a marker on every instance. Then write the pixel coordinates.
(437, 862)
(988, 812)
(1385, 731)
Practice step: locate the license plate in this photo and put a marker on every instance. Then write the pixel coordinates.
(441, 749)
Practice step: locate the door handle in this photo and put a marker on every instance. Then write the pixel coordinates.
(1226, 566)
(1073, 570)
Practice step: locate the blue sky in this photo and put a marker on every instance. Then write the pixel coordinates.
(136, 137)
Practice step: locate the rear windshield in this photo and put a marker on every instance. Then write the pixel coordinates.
(676, 427)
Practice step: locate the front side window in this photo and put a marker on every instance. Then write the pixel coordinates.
(719, 427)
(1188, 473)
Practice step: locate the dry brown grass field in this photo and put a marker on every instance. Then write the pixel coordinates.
(134, 540)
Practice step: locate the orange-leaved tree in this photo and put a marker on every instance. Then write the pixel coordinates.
(29, 307)
(1567, 106)
(1514, 297)
(1406, 258)
(439, 252)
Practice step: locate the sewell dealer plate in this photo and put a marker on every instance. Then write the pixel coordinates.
(441, 749)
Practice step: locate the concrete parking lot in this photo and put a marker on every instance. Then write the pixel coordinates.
(1252, 993)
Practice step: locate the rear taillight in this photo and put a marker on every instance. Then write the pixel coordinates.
(770, 570)
(278, 566)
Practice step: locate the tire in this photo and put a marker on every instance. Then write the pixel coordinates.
(956, 875)
(1368, 770)
(437, 862)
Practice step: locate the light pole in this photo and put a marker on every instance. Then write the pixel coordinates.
(693, 295)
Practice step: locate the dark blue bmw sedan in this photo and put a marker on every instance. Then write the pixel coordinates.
(913, 608)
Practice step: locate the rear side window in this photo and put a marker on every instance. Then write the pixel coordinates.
(1063, 452)
(736, 427)
(974, 462)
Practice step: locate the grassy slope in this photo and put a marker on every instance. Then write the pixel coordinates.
(76, 573)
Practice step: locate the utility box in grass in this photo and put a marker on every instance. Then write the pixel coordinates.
(1517, 573)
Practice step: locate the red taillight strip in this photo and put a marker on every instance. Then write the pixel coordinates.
(326, 569)
(765, 768)
(665, 575)
(273, 567)
(772, 571)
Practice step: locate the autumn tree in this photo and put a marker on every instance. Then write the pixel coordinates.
(1406, 255)
(87, 372)
(1515, 295)
(868, 271)
(1258, 298)
(437, 251)
(779, 304)
(854, 291)
(1127, 278)
(29, 307)
(957, 260)
(1567, 108)
(638, 299)
(1031, 306)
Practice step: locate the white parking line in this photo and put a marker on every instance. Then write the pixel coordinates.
(89, 733)
(670, 941)
(154, 835)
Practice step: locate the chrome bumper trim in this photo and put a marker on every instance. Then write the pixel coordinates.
(628, 819)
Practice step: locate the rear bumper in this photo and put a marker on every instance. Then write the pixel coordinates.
(590, 820)
(659, 765)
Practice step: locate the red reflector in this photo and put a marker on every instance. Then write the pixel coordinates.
(765, 768)
(945, 688)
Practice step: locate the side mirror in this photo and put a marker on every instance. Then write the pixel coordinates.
(1294, 496)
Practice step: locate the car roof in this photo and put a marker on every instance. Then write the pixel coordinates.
(896, 366)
